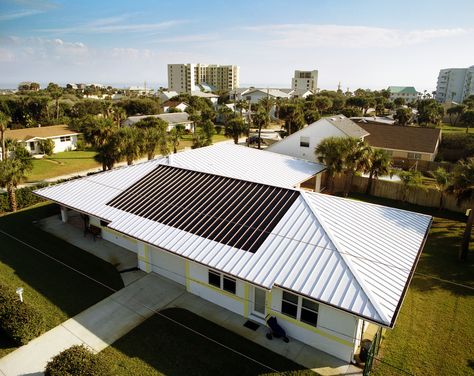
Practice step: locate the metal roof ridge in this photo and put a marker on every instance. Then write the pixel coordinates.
(348, 262)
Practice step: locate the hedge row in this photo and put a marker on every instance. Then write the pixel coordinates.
(19, 321)
(456, 146)
(77, 361)
(24, 198)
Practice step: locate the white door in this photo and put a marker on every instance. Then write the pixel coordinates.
(258, 306)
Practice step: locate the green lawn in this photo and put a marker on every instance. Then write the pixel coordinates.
(64, 163)
(187, 140)
(434, 333)
(161, 347)
(447, 128)
(56, 291)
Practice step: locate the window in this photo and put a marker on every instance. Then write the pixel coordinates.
(223, 282)
(65, 138)
(214, 279)
(32, 146)
(300, 308)
(304, 142)
(289, 304)
(414, 156)
(229, 284)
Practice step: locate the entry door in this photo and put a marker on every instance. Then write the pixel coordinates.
(259, 302)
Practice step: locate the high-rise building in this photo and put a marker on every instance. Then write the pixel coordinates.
(455, 84)
(305, 80)
(185, 78)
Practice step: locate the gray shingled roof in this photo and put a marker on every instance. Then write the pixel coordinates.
(171, 118)
(347, 126)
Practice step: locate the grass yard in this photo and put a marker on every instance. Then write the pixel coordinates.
(434, 333)
(447, 128)
(187, 140)
(161, 347)
(64, 163)
(56, 291)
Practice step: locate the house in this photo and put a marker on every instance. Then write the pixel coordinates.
(255, 95)
(173, 119)
(167, 95)
(301, 144)
(239, 235)
(64, 138)
(176, 105)
(383, 120)
(212, 97)
(407, 143)
(408, 93)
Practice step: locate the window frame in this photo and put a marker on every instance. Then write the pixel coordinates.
(415, 156)
(214, 274)
(222, 279)
(304, 144)
(303, 312)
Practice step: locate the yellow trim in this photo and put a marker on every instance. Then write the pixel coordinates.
(222, 292)
(186, 273)
(312, 328)
(147, 258)
(246, 299)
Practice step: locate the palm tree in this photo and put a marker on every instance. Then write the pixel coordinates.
(118, 114)
(241, 106)
(175, 136)
(13, 170)
(109, 153)
(463, 187)
(97, 133)
(131, 144)
(4, 121)
(153, 136)
(55, 92)
(260, 119)
(356, 154)
(379, 165)
(235, 128)
(330, 152)
(410, 180)
(442, 181)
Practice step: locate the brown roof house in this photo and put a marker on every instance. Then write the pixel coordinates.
(63, 137)
(412, 143)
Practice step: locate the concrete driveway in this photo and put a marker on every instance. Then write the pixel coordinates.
(97, 327)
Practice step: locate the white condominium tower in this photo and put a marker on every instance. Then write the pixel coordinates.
(455, 84)
(305, 80)
(185, 78)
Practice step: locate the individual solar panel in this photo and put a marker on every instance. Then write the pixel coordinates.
(235, 212)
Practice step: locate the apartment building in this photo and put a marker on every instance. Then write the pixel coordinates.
(455, 84)
(307, 80)
(185, 78)
(408, 93)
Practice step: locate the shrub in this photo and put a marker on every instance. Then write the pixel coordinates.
(19, 321)
(77, 361)
(456, 146)
(24, 198)
(46, 146)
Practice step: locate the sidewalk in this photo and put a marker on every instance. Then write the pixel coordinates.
(97, 327)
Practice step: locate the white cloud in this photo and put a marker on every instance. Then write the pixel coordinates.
(312, 35)
(19, 14)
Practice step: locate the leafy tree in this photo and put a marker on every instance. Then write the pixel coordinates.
(119, 115)
(109, 152)
(330, 151)
(379, 164)
(175, 136)
(322, 103)
(241, 106)
(235, 128)
(469, 102)
(140, 106)
(467, 119)
(86, 107)
(442, 181)
(430, 112)
(399, 102)
(4, 121)
(462, 185)
(455, 113)
(209, 131)
(410, 180)
(311, 116)
(46, 146)
(403, 116)
(153, 134)
(293, 115)
(13, 170)
(363, 103)
(351, 112)
(199, 139)
(131, 143)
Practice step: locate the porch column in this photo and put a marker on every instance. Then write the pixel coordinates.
(317, 186)
(63, 214)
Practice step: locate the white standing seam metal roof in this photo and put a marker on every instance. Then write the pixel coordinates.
(354, 256)
(241, 162)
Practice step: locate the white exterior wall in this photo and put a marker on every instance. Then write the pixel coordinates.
(316, 133)
(166, 264)
(64, 145)
(455, 84)
(115, 237)
(339, 341)
(198, 285)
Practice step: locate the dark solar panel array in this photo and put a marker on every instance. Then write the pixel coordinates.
(230, 211)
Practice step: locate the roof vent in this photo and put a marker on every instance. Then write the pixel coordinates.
(333, 119)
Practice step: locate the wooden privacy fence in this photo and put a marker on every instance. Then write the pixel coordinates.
(394, 190)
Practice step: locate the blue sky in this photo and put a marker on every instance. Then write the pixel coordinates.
(368, 44)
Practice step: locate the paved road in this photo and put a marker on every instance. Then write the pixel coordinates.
(97, 327)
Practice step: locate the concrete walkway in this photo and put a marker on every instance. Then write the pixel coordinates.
(97, 327)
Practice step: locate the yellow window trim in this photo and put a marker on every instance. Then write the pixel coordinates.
(312, 328)
(147, 258)
(246, 300)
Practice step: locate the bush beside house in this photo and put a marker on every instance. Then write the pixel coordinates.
(19, 321)
(77, 361)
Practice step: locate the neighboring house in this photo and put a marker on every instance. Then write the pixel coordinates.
(212, 97)
(228, 226)
(413, 143)
(383, 120)
(408, 93)
(167, 95)
(301, 144)
(139, 90)
(255, 95)
(238, 93)
(173, 119)
(297, 93)
(178, 105)
(64, 138)
(455, 84)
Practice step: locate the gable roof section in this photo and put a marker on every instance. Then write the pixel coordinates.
(271, 92)
(170, 118)
(402, 89)
(414, 139)
(26, 134)
(240, 162)
(347, 126)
